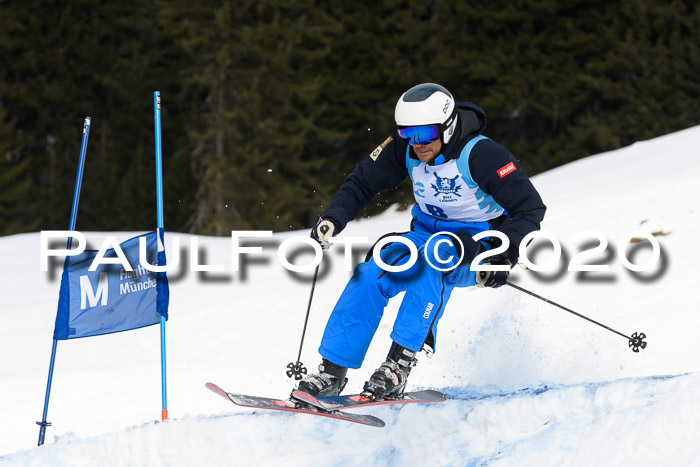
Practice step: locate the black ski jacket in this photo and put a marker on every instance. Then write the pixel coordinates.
(386, 168)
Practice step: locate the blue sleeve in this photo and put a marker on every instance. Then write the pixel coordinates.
(497, 172)
(384, 169)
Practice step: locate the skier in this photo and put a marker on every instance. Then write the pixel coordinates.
(464, 183)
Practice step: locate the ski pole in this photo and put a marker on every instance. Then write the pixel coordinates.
(296, 369)
(73, 218)
(636, 341)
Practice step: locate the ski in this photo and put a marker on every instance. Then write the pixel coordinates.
(288, 405)
(334, 403)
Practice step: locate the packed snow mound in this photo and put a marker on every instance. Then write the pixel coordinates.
(586, 424)
(529, 383)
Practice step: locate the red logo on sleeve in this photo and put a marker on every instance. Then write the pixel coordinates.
(506, 169)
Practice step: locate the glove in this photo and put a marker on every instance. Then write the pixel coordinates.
(493, 279)
(324, 230)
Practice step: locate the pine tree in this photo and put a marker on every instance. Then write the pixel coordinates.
(15, 183)
(79, 59)
(256, 105)
(268, 105)
(379, 50)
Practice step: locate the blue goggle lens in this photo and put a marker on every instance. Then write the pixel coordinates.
(423, 134)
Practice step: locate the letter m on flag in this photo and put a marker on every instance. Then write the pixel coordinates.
(88, 295)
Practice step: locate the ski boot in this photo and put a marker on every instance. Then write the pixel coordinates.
(389, 380)
(329, 381)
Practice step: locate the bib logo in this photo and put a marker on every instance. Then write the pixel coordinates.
(446, 186)
(506, 169)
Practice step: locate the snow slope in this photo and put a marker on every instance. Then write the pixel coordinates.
(529, 384)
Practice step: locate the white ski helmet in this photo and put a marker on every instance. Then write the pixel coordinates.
(425, 105)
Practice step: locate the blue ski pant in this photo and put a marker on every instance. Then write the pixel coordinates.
(358, 312)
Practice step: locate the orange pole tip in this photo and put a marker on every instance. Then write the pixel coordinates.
(164, 413)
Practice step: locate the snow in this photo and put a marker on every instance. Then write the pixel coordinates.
(528, 383)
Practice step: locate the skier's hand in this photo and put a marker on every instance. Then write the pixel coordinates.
(493, 279)
(324, 230)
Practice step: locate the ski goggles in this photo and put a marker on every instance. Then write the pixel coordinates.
(424, 134)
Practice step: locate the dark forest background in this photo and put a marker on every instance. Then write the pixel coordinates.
(269, 104)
